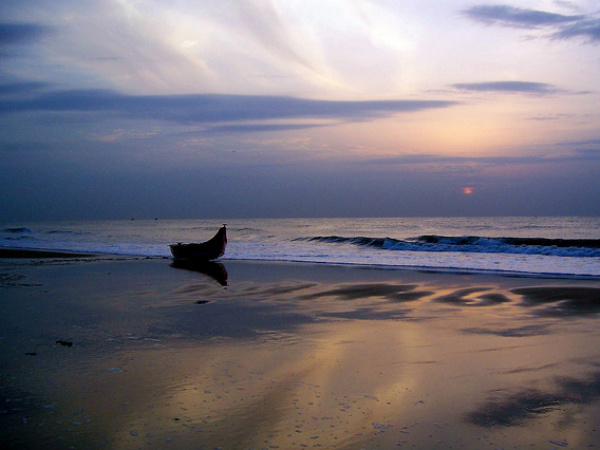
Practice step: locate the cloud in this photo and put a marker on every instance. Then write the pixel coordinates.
(527, 87)
(213, 108)
(589, 29)
(261, 127)
(21, 33)
(510, 16)
(265, 24)
(574, 155)
(563, 26)
(21, 87)
(593, 142)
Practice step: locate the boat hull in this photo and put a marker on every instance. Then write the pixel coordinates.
(205, 251)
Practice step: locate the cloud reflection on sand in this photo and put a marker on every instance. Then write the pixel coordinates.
(510, 409)
(561, 300)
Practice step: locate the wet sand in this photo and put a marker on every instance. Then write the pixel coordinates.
(118, 353)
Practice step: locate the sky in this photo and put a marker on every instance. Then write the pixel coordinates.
(117, 109)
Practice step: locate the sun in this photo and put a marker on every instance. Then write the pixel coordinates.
(467, 190)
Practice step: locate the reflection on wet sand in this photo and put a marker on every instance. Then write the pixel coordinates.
(285, 392)
(509, 409)
(562, 300)
(214, 270)
(292, 356)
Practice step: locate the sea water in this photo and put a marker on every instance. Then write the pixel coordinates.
(552, 246)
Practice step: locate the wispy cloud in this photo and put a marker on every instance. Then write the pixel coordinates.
(561, 26)
(212, 108)
(588, 142)
(522, 87)
(510, 16)
(263, 21)
(260, 127)
(588, 29)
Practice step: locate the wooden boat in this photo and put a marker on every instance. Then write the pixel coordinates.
(205, 251)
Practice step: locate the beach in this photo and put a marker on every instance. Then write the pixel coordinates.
(107, 352)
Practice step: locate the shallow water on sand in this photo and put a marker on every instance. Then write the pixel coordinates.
(293, 356)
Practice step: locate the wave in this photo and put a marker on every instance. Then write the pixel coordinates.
(474, 244)
(67, 232)
(17, 230)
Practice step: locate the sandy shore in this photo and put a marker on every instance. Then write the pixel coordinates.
(12, 253)
(121, 353)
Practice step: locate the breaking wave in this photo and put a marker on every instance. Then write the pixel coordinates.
(473, 244)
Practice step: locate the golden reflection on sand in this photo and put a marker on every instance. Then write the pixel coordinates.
(332, 388)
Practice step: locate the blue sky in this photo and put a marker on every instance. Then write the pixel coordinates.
(264, 108)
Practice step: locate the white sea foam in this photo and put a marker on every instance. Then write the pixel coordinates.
(549, 246)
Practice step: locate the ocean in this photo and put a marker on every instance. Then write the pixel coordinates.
(540, 246)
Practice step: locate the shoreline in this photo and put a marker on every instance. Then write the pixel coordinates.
(27, 253)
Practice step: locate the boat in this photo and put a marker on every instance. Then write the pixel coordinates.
(205, 251)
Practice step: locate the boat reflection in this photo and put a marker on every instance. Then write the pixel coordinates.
(214, 270)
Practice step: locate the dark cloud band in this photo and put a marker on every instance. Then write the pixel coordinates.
(17, 33)
(527, 87)
(210, 108)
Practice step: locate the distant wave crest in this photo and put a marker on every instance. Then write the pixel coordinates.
(474, 244)
(16, 230)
